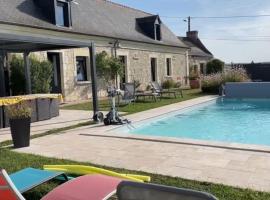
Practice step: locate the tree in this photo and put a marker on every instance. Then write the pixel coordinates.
(214, 66)
(108, 67)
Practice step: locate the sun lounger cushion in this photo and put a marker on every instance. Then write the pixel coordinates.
(94, 187)
(29, 178)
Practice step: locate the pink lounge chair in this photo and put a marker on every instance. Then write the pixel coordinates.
(94, 187)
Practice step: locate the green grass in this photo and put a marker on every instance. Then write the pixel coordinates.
(12, 161)
(139, 105)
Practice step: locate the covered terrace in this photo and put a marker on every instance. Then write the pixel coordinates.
(24, 42)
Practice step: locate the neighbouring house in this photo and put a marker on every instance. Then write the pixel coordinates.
(258, 72)
(199, 55)
(148, 48)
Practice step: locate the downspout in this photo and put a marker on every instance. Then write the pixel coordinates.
(187, 67)
(116, 45)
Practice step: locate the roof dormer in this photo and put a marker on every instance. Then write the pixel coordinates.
(58, 12)
(151, 26)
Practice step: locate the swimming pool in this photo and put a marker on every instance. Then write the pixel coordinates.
(244, 121)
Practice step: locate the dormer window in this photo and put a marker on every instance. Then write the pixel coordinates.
(151, 26)
(62, 14)
(157, 31)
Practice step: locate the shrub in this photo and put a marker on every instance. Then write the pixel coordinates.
(214, 66)
(211, 83)
(236, 75)
(19, 111)
(17, 78)
(168, 84)
(41, 75)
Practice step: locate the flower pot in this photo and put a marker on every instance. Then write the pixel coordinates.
(194, 84)
(54, 108)
(5, 117)
(20, 132)
(43, 109)
(33, 105)
(1, 117)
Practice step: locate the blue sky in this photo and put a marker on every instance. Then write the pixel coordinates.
(212, 29)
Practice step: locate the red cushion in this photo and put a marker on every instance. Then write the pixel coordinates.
(94, 187)
(3, 182)
(7, 195)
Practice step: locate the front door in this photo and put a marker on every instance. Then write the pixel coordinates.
(54, 58)
(153, 69)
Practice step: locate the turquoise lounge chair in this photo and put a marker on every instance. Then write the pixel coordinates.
(30, 178)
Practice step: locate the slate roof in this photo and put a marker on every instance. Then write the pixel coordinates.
(91, 17)
(197, 47)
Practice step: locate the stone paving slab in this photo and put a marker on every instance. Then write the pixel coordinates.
(107, 146)
(66, 118)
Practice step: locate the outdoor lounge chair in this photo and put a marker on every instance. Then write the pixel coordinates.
(30, 178)
(94, 187)
(129, 93)
(159, 90)
(140, 191)
(8, 190)
(12, 186)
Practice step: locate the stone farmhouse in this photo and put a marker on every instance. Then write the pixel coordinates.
(149, 50)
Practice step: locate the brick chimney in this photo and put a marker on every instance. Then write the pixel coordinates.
(193, 35)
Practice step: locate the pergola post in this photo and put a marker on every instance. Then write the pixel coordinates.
(27, 73)
(2, 75)
(94, 79)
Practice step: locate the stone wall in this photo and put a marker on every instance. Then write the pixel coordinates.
(198, 62)
(137, 68)
(138, 62)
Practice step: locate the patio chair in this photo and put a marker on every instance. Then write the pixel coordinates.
(94, 187)
(140, 191)
(8, 190)
(129, 93)
(30, 178)
(159, 90)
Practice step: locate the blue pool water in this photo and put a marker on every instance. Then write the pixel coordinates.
(228, 120)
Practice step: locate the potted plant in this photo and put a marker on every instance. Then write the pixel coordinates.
(20, 121)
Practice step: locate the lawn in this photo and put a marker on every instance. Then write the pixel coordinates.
(139, 105)
(12, 161)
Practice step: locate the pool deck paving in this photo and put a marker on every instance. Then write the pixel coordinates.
(235, 165)
(65, 118)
